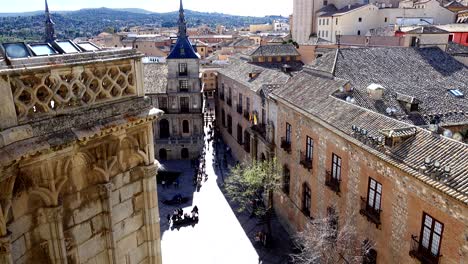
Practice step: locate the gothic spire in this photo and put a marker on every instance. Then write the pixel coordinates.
(182, 23)
(49, 25)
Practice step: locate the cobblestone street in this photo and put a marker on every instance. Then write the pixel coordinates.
(222, 236)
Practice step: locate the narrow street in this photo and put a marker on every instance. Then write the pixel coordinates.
(218, 237)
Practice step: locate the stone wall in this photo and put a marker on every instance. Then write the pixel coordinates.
(404, 198)
(88, 202)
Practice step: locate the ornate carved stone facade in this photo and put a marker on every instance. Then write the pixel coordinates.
(77, 167)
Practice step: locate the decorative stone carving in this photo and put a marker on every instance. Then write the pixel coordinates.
(104, 160)
(48, 178)
(6, 192)
(105, 192)
(5, 250)
(54, 92)
(51, 231)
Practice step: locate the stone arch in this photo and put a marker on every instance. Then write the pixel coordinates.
(164, 128)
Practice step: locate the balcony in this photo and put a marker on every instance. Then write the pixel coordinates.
(260, 129)
(246, 115)
(371, 213)
(305, 161)
(286, 144)
(229, 101)
(239, 108)
(331, 182)
(185, 110)
(421, 253)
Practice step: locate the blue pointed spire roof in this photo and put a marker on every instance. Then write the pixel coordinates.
(183, 49)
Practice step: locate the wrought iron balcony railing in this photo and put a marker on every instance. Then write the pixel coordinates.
(421, 253)
(370, 212)
(332, 182)
(286, 144)
(305, 161)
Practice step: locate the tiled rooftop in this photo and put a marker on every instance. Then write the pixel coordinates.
(275, 50)
(311, 93)
(423, 74)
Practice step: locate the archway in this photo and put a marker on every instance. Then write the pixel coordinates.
(163, 154)
(184, 153)
(164, 128)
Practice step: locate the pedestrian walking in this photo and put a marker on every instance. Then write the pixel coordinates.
(168, 218)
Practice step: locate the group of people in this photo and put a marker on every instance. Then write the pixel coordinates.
(178, 216)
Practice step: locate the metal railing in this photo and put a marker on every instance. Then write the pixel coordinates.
(305, 161)
(421, 253)
(370, 212)
(332, 182)
(286, 144)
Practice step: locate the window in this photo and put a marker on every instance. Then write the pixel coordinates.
(246, 141)
(288, 133)
(431, 235)
(336, 21)
(183, 69)
(239, 104)
(247, 104)
(185, 126)
(223, 118)
(374, 194)
(239, 134)
(386, 19)
(229, 124)
(336, 167)
(320, 22)
(286, 179)
(306, 196)
(162, 103)
(263, 116)
(183, 85)
(360, 19)
(136, 46)
(309, 148)
(230, 93)
(184, 104)
(326, 34)
(328, 21)
(359, 32)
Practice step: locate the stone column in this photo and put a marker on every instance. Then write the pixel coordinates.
(5, 250)
(51, 230)
(105, 192)
(151, 214)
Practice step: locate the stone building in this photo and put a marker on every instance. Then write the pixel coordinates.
(403, 186)
(246, 116)
(77, 167)
(179, 134)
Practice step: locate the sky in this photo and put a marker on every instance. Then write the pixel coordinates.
(234, 7)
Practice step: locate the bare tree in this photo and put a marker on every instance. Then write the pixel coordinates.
(323, 241)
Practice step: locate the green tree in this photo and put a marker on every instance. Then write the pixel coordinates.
(252, 182)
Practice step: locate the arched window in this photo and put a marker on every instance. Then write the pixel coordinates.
(185, 126)
(164, 128)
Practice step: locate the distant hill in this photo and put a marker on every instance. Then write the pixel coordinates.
(90, 22)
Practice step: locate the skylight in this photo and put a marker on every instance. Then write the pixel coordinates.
(456, 92)
(67, 47)
(42, 49)
(88, 46)
(16, 50)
